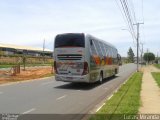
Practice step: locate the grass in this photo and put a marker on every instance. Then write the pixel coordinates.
(157, 65)
(27, 65)
(156, 76)
(32, 65)
(5, 66)
(125, 101)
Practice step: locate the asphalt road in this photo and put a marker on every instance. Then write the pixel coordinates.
(50, 97)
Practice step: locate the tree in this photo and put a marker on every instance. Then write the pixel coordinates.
(130, 55)
(156, 60)
(24, 62)
(148, 57)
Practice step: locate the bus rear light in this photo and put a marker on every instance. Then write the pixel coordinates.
(85, 69)
(55, 67)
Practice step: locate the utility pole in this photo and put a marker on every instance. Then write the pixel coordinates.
(137, 24)
(142, 53)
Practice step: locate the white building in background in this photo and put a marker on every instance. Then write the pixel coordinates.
(9, 49)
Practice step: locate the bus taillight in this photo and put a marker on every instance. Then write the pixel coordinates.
(85, 70)
(55, 67)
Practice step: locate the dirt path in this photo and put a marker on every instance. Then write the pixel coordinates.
(150, 93)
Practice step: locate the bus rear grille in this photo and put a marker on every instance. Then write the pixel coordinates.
(69, 56)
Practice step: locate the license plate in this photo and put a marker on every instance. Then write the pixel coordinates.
(69, 78)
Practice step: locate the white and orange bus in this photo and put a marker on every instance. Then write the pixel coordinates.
(80, 57)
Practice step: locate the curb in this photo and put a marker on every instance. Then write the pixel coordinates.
(102, 103)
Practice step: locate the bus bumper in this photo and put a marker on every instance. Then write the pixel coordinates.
(84, 78)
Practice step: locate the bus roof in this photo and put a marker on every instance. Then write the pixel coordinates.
(109, 44)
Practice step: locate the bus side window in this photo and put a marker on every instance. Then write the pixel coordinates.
(97, 45)
(93, 53)
(106, 48)
(93, 49)
(102, 49)
(91, 43)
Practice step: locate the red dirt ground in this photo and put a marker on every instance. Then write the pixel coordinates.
(30, 73)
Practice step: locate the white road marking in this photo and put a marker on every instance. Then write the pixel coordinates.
(28, 111)
(7, 84)
(110, 97)
(1, 92)
(100, 107)
(46, 83)
(61, 97)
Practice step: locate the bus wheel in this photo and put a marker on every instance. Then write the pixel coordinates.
(101, 78)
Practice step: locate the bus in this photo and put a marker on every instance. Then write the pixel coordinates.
(80, 57)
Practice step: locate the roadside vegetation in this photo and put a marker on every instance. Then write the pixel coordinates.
(125, 101)
(5, 66)
(27, 65)
(7, 61)
(149, 57)
(130, 55)
(22, 68)
(157, 65)
(156, 76)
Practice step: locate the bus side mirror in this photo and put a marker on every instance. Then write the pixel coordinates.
(91, 43)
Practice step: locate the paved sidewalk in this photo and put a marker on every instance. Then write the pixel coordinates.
(150, 93)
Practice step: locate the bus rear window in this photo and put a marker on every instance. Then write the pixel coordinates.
(69, 40)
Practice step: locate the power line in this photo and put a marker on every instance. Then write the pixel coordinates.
(125, 20)
(128, 17)
(126, 14)
(142, 12)
(122, 13)
(133, 11)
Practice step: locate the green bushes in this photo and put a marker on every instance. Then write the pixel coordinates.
(157, 65)
(12, 60)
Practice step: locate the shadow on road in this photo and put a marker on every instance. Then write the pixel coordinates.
(84, 86)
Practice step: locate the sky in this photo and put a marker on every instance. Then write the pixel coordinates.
(29, 22)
